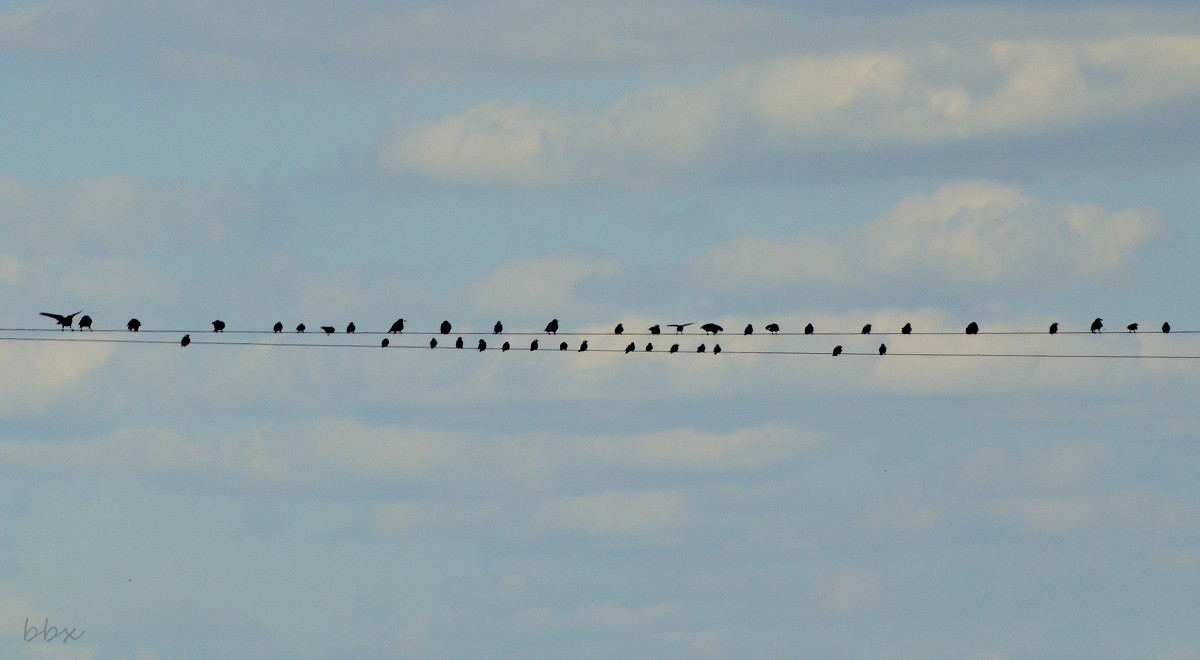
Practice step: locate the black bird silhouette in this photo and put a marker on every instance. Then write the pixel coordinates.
(445, 327)
(678, 326)
(808, 329)
(533, 345)
(1166, 327)
(772, 328)
(187, 339)
(562, 346)
(716, 349)
(907, 329)
(552, 327)
(329, 329)
(674, 348)
(134, 325)
(866, 329)
(619, 329)
(398, 326)
(482, 345)
(654, 329)
(64, 321)
(649, 347)
(505, 347)
(630, 348)
(583, 346)
(1097, 325)
(837, 350)
(350, 328)
(498, 328)
(218, 325)
(749, 329)
(972, 328)
(385, 342)
(278, 327)
(700, 348)
(1054, 328)
(85, 321)
(300, 328)
(1132, 327)
(882, 349)
(711, 328)
(433, 342)
(458, 343)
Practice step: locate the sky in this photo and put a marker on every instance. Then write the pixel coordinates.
(1010, 163)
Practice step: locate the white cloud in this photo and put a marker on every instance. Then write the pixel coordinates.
(1125, 509)
(694, 450)
(538, 286)
(617, 513)
(38, 374)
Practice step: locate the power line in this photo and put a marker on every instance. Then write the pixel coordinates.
(488, 333)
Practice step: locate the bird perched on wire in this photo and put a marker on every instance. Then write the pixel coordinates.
(533, 345)
(749, 329)
(1132, 327)
(433, 342)
(808, 329)
(837, 350)
(552, 327)
(700, 348)
(583, 346)
(716, 349)
(649, 347)
(882, 349)
(134, 325)
(278, 327)
(711, 328)
(218, 326)
(630, 348)
(187, 339)
(655, 329)
(505, 347)
(907, 329)
(385, 342)
(1097, 325)
(772, 328)
(329, 329)
(351, 328)
(674, 348)
(498, 328)
(678, 327)
(482, 345)
(866, 329)
(85, 321)
(458, 343)
(620, 329)
(398, 326)
(562, 346)
(300, 328)
(1166, 327)
(972, 328)
(445, 327)
(64, 321)
(1054, 328)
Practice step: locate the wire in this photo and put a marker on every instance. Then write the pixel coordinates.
(318, 331)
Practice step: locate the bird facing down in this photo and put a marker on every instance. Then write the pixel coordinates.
(385, 342)
(655, 329)
(482, 345)
(772, 328)
(749, 329)
(498, 328)
(445, 327)
(866, 330)
(329, 329)
(882, 349)
(1054, 328)
(711, 328)
(1132, 327)
(808, 329)
(630, 348)
(300, 328)
(1097, 325)
(187, 339)
(1166, 327)
(458, 343)
(64, 321)
(134, 325)
(218, 325)
(837, 350)
(674, 348)
(562, 346)
(552, 327)
(583, 346)
(907, 329)
(619, 329)
(678, 327)
(351, 328)
(433, 342)
(716, 349)
(505, 347)
(398, 326)
(972, 328)
(278, 327)
(85, 321)
(533, 345)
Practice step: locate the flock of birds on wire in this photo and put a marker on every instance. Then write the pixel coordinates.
(67, 321)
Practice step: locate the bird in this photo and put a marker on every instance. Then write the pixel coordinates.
(700, 348)
(218, 325)
(716, 349)
(385, 342)
(619, 329)
(187, 339)
(630, 348)
(482, 345)
(329, 329)
(678, 327)
(445, 327)
(552, 327)
(398, 326)
(134, 325)
(808, 329)
(1054, 328)
(837, 350)
(772, 328)
(278, 327)
(654, 329)
(64, 321)
(498, 328)
(583, 346)
(882, 349)
(1132, 327)
(972, 328)
(907, 329)
(1166, 327)
(1097, 325)
(649, 347)
(458, 343)
(85, 321)
(749, 329)
(433, 342)
(674, 348)
(505, 347)
(866, 330)
(351, 328)
(300, 328)
(533, 345)
(562, 346)
(711, 328)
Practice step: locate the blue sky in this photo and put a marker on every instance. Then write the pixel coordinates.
(635, 162)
